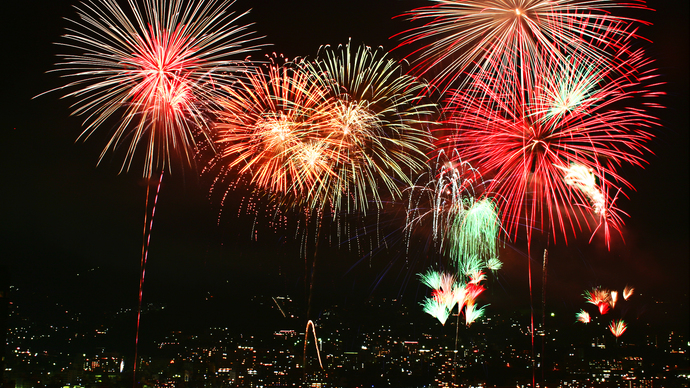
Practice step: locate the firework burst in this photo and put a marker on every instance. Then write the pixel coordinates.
(157, 75)
(600, 298)
(266, 130)
(449, 291)
(485, 36)
(618, 327)
(527, 142)
(378, 125)
(583, 316)
(326, 132)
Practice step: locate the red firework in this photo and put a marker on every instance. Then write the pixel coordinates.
(600, 298)
(580, 113)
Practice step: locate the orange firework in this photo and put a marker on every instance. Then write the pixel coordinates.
(331, 131)
(627, 292)
(267, 130)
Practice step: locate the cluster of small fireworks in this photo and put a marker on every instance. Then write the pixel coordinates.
(449, 291)
(605, 300)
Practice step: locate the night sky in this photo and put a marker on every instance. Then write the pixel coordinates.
(72, 231)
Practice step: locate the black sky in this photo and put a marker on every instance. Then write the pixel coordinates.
(71, 231)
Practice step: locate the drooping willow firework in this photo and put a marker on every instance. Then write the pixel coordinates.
(156, 74)
(464, 223)
(485, 36)
(580, 114)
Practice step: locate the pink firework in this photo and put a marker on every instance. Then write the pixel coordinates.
(580, 113)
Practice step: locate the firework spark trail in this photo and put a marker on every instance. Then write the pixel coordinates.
(158, 74)
(279, 307)
(144, 258)
(310, 323)
(479, 36)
